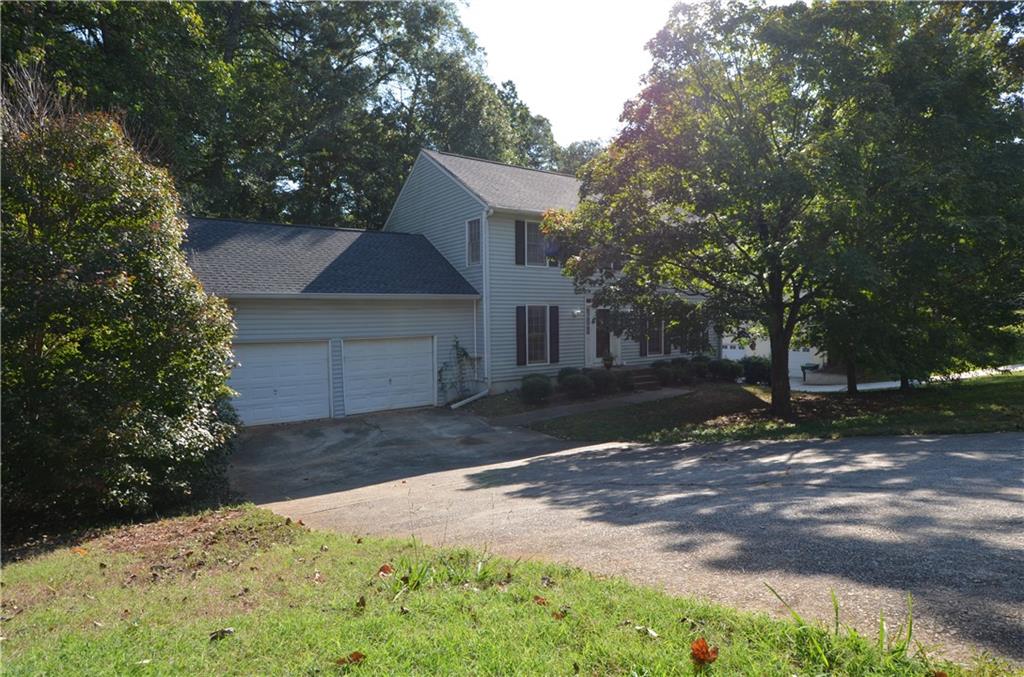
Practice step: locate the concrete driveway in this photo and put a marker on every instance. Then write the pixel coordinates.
(871, 518)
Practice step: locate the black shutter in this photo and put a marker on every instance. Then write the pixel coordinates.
(520, 335)
(553, 333)
(521, 243)
(666, 345)
(643, 341)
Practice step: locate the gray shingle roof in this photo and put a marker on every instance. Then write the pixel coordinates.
(512, 188)
(242, 257)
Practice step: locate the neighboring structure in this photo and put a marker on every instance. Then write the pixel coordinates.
(457, 293)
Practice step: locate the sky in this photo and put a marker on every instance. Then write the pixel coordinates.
(576, 63)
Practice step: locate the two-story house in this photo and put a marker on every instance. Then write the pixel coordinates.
(458, 291)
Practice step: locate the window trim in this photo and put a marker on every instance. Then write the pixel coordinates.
(547, 333)
(479, 243)
(549, 261)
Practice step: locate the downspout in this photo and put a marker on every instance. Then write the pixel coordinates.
(487, 294)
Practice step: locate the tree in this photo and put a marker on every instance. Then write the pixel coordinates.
(709, 193)
(578, 153)
(925, 190)
(300, 111)
(115, 359)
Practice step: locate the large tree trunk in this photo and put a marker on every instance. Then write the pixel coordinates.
(851, 375)
(904, 382)
(781, 401)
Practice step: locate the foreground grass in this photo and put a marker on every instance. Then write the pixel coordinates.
(145, 600)
(723, 411)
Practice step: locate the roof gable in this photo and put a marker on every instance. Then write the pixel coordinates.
(506, 187)
(233, 258)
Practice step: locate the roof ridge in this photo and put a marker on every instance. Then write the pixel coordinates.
(298, 225)
(500, 164)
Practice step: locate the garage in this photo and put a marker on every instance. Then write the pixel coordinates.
(281, 382)
(388, 373)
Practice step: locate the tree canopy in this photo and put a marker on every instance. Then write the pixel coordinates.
(300, 111)
(782, 164)
(115, 360)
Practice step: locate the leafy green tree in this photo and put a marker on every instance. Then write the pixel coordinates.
(115, 359)
(571, 158)
(302, 111)
(925, 191)
(709, 191)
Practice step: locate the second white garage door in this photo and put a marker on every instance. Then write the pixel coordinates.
(388, 373)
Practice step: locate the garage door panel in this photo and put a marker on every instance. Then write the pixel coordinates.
(281, 382)
(388, 374)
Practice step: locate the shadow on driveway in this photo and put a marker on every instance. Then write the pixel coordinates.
(282, 462)
(941, 518)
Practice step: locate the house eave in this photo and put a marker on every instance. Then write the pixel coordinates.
(351, 297)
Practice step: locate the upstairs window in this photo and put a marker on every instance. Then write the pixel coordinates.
(472, 242)
(535, 245)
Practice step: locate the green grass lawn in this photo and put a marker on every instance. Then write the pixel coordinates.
(724, 411)
(145, 599)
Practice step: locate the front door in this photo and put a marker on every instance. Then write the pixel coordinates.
(603, 334)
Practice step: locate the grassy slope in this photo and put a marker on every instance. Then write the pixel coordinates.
(143, 600)
(728, 412)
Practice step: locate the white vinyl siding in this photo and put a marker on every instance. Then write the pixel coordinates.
(516, 285)
(435, 205)
(344, 320)
(472, 242)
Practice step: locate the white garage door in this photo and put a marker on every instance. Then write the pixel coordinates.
(280, 382)
(388, 374)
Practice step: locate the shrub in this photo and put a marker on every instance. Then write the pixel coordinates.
(566, 372)
(115, 360)
(658, 364)
(681, 375)
(603, 380)
(725, 370)
(624, 379)
(679, 361)
(756, 369)
(536, 389)
(701, 358)
(664, 375)
(579, 386)
(694, 371)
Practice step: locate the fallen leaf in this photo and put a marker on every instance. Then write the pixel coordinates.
(242, 592)
(103, 565)
(644, 630)
(547, 581)
(144, 661)
(287, 521)
(323, 548)
(385, 571)
(940, 673)
(352, 659)
(359, 540)
(79, 550)
(221, 634)
(403, 610)
(97, 624)
(361, 602)
(558, 615)
(702, 654)
(318, 577)
(301, 523)
(537, 599)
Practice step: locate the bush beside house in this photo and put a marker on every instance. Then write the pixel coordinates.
(115, 360)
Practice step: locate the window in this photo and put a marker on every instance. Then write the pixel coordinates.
(472, 242)
(536, 334)
(535, 245)
(654, 338)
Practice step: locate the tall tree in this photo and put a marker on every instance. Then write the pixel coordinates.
(709, 191)
(303, 111)
(571, 158)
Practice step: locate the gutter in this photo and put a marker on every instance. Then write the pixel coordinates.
(471, 398)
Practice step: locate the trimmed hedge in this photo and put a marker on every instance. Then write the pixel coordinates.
(756, 370)
(725, 370)
(566, 372)
(603, 380)
(536, 389)
(624, 379)
(578, 386)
